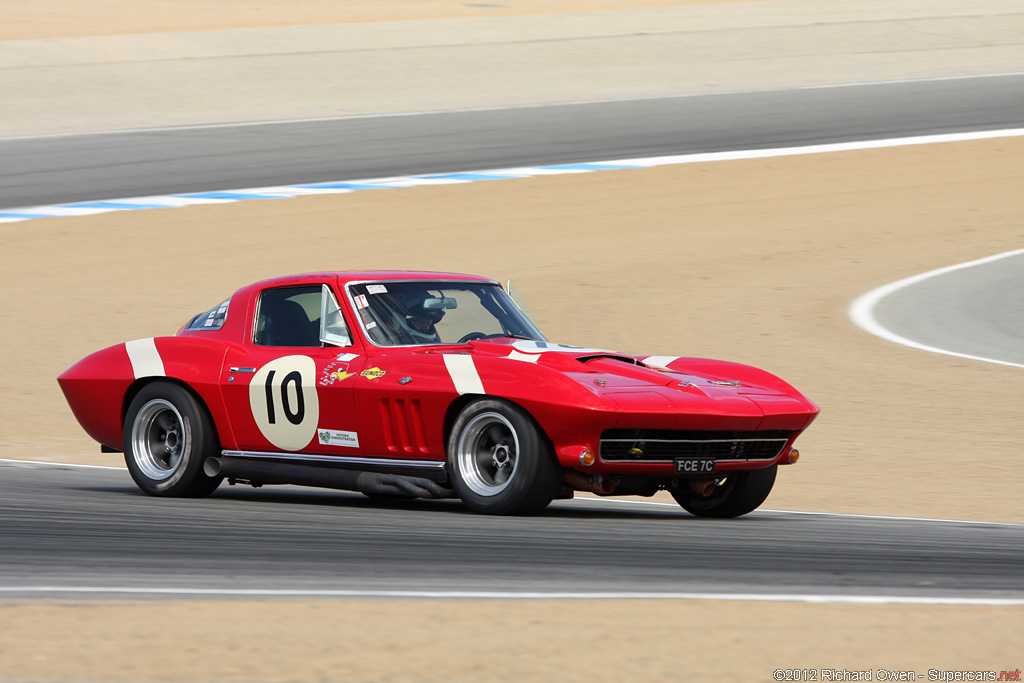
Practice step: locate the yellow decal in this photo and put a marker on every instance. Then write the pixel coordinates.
(341, 374)
(373, 373)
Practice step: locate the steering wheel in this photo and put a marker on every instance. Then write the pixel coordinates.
(473, 336)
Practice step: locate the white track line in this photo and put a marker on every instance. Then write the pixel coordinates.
(862, 311)
(525, 595)
(58, 464)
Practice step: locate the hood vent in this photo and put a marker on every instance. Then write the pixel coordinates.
(599, 356)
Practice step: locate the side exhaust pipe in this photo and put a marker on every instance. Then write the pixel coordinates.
(325, 477)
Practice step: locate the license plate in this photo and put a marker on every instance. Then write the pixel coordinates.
(695, 465)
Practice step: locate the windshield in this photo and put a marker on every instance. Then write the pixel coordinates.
(423, 312)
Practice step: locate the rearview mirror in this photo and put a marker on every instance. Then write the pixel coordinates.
(444, 303)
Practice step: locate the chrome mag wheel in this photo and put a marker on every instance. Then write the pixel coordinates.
(160, 438)
(487, 453)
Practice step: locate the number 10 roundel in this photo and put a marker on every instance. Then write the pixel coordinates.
(284, 401)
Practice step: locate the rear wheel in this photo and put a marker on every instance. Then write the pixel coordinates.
(734, 495)
(168, 435)
(500, 461)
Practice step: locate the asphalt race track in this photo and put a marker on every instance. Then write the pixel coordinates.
(975, 311)
(63, 169)
(77, 527)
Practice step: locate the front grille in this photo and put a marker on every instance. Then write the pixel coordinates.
(660, 446)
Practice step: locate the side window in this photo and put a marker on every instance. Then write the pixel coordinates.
(333, 329)
(289, 316)
(212, 319)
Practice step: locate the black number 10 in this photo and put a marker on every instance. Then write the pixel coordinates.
(294, 417)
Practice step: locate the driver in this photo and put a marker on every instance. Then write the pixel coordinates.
(421, 321)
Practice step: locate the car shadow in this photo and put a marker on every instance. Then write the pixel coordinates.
(576, 509)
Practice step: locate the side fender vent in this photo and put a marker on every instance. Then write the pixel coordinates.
(402, 420)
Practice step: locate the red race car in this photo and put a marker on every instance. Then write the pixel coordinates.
(433, 385)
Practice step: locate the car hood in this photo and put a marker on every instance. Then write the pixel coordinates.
(666, 385)
(611, 369)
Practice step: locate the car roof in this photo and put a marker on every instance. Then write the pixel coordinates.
(346, 276)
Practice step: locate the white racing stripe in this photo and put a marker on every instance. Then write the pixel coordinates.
(814, 598)
(146, 361)
(660, 361)
(463, 372)
(525, 357)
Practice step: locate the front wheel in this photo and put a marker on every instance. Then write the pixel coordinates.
(500, 461)
(735, 495)
(168, 435)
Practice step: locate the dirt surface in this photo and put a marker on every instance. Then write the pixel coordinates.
(752, 261)
(70, 18)
(357, 640)
(468, 57)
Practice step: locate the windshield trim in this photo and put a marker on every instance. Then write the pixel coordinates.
(362, 324)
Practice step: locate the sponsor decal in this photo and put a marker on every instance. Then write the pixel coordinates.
(361, 301)
(373, 373)
(337, 369)
(376, 289)
(334, 437)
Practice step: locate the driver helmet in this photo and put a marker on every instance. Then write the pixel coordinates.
(419, 318)
(415, 307)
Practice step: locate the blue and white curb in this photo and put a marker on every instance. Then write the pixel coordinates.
(91, 208)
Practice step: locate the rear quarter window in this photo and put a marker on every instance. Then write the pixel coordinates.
(211, 320)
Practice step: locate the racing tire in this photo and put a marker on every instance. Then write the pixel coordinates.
(168, 435)
(499, 460)
(737, 494)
